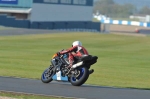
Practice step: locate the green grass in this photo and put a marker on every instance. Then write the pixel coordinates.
(28, 96)
(124, 61)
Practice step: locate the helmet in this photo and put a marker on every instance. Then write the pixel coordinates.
(75, 43)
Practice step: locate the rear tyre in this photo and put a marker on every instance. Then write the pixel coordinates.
(81, 78)
(47, 75)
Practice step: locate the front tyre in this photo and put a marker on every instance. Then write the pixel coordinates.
(47, 75)
(81, 76)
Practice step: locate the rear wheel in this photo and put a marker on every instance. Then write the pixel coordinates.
(80, 76)
(47, 75)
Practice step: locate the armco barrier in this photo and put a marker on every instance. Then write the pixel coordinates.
(95, 26)
(72, 25)
(2, 20)
(67, 25)
(10, 21)
(59, 25)
(122, 22)
(34, 25)
(41, 25)
(148, 24)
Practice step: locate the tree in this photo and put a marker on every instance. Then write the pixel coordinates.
(145, 10)
(109, 8)
(103, 6)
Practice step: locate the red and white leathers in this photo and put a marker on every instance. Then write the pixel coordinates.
(76, 51)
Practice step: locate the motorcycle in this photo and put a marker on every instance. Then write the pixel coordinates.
(76, 75)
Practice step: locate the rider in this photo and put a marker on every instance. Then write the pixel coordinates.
(77, 50)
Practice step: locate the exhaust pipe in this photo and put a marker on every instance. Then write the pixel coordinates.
(77, 65)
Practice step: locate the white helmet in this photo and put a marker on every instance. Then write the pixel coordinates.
(75, 43)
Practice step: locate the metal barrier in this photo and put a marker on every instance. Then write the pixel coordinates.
(123, 22)
(62, 25)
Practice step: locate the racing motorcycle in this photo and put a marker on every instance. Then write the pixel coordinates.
(76, 75)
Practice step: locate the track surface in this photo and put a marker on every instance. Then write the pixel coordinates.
(67, 90)
(64, 89)
(16, 31)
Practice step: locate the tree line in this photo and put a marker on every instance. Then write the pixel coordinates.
(111, 9)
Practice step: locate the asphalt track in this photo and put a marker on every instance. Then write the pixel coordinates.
(17, 31)
(32, 86)
(67, 90)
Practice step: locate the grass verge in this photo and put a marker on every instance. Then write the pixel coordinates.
(12, 95)
(123, 60)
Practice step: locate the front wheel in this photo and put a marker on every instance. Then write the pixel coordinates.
(47, 75)
(80, 77)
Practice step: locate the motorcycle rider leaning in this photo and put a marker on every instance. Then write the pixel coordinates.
(76, 51)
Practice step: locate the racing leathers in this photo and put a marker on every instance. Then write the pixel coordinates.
(76, 51)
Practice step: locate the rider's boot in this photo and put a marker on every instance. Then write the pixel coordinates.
(70, 63)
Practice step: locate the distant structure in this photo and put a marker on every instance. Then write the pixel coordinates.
(74, 15)
(21, 9)
(106, 20)
(142, 18)
(62, 10)
(48, 10)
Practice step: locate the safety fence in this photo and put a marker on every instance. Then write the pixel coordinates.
(123, 22)
(106, 20)
(62, 25)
